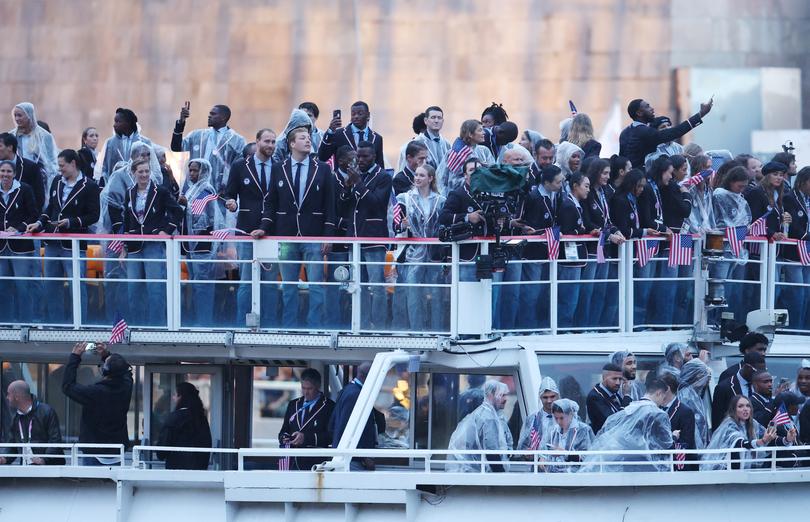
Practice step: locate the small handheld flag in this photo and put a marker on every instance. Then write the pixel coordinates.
(680, 250)
(118, 330)
(115, 246)
(553, 239)
(458, 154)
(703, 175)
(646, 250)
(804, 252)
(199, 204)
(224, 233)
(781, 418)
(758, 227)
(736, 236)
(534, 439)
(398, 214)
(600, 246)
(572, 107)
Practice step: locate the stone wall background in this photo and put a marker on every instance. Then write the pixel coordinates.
(79, 60)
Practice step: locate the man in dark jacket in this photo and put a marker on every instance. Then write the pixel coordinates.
(738, 384)
(343, 410)
(682, 420)
(606, 398)
(33, 422)
(104, 403)
(639, 138)
(751, 342)
(306, 421)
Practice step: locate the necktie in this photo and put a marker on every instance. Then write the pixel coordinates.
(263, 177)
(297, 181)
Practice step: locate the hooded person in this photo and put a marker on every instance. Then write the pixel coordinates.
(483, 429)
(34, 143)
(565, 128)
(197, 186)
(530, 139)
(117, 148)
(537, 424)
(298, 118)
(692, 391)
(567, 433)
(673, 359)
(120, 181)
(625, 360)
(565, 151)
(641, 426)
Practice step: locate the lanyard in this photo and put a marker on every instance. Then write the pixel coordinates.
(22, 434)
(580, 222)
(602, 204)
(633, 209)
(659, 212)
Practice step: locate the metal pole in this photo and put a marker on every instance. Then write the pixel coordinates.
(454, 280)
(357, 295)
(75, 283)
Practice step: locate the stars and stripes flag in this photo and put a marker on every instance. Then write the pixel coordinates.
(703, 175)
(553, 239)
(781, 418)
(600, 246)
(572, 107)
(680, 458)
(458, 154)
(115, 246)
(224, 233)
(199, 204)
(646, 250)
(758, 227)
(736, 236)
(118, 330)
(534, 439)
(284, 462)
(398, 213)
(804, 252)
(680, 249)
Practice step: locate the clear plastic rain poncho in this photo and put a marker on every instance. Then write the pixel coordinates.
(540, 421)
(298, 118)
(578, 436)
(637, 389)
(731, 210)
(483, 429)
(198, 223)
(727, 435)
(641, 426)
(694, 380)
(38, 145)
(423, 220)
(673, 358)
(121, 180)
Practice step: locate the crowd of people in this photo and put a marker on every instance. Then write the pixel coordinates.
(673, 409)
(308, 182)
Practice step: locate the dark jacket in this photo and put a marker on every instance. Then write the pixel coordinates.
(20, 211)
(88, 161)
(81, 208)
(651, 208)
(162, 214)
(459, 203)
(332, 141)
(626, 217)
(762, 408)
(682, 417)
(574, 221)
(729, 372)
(104, 405)
(244, 186)
(600, 407)
(40, 425)
(368, 200)
(677, 206)
(540, 212)
(794, 203)
(313, 423)
(760, 204)
(599, 217)
(591, 148)
(637, 139)
(804, 425)
(182, 429)
(723, 393)
(340, 417)
(402, 181)
(31, 173)
(315, 215)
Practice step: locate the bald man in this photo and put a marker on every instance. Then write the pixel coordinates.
(33, 422)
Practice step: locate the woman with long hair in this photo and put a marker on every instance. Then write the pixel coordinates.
(619, 167)
(187, 426)
(581, 135)
(573, 220)
(449, 174)
(87, 152)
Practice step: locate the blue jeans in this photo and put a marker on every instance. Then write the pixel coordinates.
(642, 292)
(20, 308)
(201, 309)
(116, 293)
(610, 310)
(147, 299)
(402, 300)
(584, 318)
(269, 294)
(505, 296)
(57, 292)
(567, 295)
(418, 299)
(375, 303)
(684, 296)
(663, 301)
(534, 296)
(795, 297)
(311, 254)
(338, 302)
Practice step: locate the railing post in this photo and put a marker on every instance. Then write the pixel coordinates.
(454, 280)
(553, 291)
(255, 283)
(357, 296)
(75, 283)
(697, 281)
(768, 275)
(173, 289)
(629, 285)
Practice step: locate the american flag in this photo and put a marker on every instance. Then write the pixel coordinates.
(680, 249)
(781, 418)
(398, 213)
(458, 154)
(199, 204)
(646, 250)
(680, 458)
(758, 227)
(115, 246)
(697, 178)
(284, 462)
(600, 247)
(804, 252)
(534, 439)
(224, 233)
(553, 238)
(572, 107)
(118, 330)
(736, 236)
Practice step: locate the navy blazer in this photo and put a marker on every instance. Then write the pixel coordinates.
(459, 203)
(162, 214)
(31, 173)
(368, 203)
(20, 211)
(332, 141)
(623, 215)
(245, 187)
(681, 417)
(600, 407)
(81, 209)
(284, 215)
(794, 203)
(636, 141)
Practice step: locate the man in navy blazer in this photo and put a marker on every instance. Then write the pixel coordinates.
(358, 130)
(301, 203)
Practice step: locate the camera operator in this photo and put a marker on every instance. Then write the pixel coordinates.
(104, 403)
(460, 208)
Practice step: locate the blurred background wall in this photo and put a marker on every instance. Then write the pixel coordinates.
(77, 60)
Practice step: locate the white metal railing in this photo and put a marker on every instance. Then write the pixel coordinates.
(77, 454)
(439, 461)
(530, 295)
